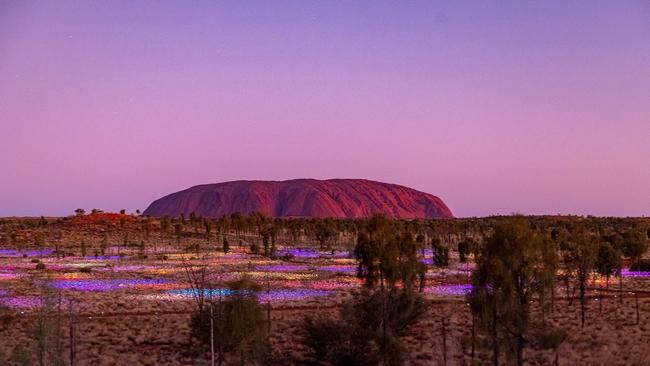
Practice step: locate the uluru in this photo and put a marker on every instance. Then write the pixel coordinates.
(334, 198)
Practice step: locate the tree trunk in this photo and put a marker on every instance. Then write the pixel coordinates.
(636, 300)
(473, 335)
(520, 350)
(495, 342)
(211, 335)
(582, 301)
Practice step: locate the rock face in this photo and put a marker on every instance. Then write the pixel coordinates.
(337, 198)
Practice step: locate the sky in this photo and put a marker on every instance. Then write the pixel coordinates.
(535, 107)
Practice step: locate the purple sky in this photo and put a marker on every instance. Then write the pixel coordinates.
(533, 106)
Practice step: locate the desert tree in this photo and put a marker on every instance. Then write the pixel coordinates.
(39, 242)
(580, 257)
(266, 242)
(207, 225)
(46, 328)
(232, 321)
(635, 244)
(146, 228)
(6, 314)
(389, 258)
(178, 231)
(324, 232)
(103, 244)
(226, 245)
(515, 263)
(440, 253)
(165, 224)
(609, 261)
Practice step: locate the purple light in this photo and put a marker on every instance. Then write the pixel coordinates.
(299, 253)
(106, 257)
(107, 285)
(312, 253)
(133, 268)
(449, 290)
(8, 276)
(281, 295)
(282, 268)
(291, 295)
(626, 272)
(22, 302)
(339, 268)
(12, 253)
(206, 292)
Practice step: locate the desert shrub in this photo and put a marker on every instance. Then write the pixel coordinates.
(239, 324)
(357, 336)
(641, 265)
(40, 265)
(85, 269)
(403, 309)
(548, 337)
(35, 261)
(45, 328)
(6, 317)
(192, 248)
(337, 342)
(20, 356)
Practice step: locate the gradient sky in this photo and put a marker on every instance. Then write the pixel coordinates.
(537, 107)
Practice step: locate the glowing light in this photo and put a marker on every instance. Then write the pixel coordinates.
(204, 292)
(9, 276)
(626, 272)
(338, 268)
(448, 290)
(22, 302)
(107, 285)
(281, 295)
(312, 253)
(283, 268)
(12, 253)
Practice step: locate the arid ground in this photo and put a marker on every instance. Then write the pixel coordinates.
(132, 306)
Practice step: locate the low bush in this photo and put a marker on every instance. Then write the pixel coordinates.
(642, 265)
(357, 337)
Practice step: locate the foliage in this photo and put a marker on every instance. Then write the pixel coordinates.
(609, 260)
(580, 255)
(516, 264)
(238, 323)
(46, 328)
(440, 253)
(355, 337)
(226, 245)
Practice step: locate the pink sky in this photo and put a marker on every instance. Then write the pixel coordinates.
(531, 107)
